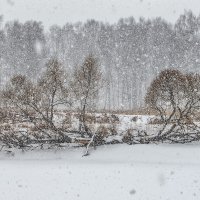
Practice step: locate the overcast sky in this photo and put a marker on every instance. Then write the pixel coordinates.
(62, 11)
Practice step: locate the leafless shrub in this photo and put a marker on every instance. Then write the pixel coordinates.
(114, 119)
(112, 129)
(175, 96)
(103, 131)
(100, 135)
(67, 122)
(134, 119)
(90, 118)
(103, 119)
(128, 137)
(12, 138)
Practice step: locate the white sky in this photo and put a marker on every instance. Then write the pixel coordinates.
(62, 11)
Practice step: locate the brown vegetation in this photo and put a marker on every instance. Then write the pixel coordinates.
(176, 97)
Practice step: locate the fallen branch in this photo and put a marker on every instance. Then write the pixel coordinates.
(88, 145)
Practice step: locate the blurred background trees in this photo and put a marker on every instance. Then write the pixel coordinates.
(132, 53)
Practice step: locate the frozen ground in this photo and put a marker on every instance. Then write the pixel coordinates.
(115, 172)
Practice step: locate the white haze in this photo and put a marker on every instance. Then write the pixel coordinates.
(62, 11)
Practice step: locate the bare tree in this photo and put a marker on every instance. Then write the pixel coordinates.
(176, 98)
(53, 89)
(37, 103)
(86, 84)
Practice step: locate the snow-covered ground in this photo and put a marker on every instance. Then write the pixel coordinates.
(112, 172)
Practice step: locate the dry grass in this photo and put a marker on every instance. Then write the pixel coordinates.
(138, 111)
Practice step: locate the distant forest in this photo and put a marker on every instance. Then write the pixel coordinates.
(131, 53)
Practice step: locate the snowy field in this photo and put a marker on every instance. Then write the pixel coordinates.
(113, 172)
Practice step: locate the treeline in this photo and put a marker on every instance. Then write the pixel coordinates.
(131, 52)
